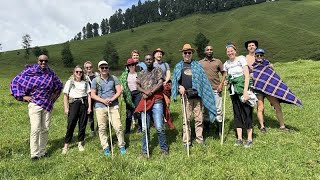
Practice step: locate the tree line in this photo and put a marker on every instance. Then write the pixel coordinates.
(155, 11)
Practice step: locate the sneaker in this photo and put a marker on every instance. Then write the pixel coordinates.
(45, 155)
(263, 130)
(64, 150)
(80, 146)
(106, 152)
(238, 142)
(123, 150)
(248, 144)
(34, 158)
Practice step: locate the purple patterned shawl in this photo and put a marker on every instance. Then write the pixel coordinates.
(269, 82)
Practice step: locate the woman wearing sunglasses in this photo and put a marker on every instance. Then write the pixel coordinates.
(77, 105)
(268, 84)
(131, 95)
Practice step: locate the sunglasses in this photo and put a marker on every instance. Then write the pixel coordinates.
(42, 61)
(131, 65)
(78, 72)
(259, 55)
(149, 59)
(187, 53)
(88, 67)
(104, 68)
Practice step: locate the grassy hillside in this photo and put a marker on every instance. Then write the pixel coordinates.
(275, 155)
(288, 30)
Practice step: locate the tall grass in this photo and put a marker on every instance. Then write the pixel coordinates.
(275, 155)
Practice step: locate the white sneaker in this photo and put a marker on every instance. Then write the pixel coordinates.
(64, 150)
(80, 146)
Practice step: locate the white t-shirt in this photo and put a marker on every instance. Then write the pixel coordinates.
(235, 68)
(132, 79)
(78, 90)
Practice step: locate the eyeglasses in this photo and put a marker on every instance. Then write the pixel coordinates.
(42, 61)
(259, 55)
(187, 53)
(78, 72)
(148, 59)
(104, 68)
(88, 67)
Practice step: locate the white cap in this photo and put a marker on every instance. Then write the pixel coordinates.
(102, 62)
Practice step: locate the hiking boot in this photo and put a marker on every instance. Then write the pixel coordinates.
(123, 150)
(248, 144)
(80, 146)
(64, 150)
(106, 152)
(238, 142)
(263, 130)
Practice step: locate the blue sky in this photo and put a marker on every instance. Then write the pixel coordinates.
(51, 22)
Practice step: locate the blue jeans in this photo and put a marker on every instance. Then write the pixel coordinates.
(156, 112)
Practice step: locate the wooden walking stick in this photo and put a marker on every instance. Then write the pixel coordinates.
(110, 133)
(146, 126)
(224, 111)
(186, 123)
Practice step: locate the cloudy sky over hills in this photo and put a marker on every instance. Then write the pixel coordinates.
(51, 22)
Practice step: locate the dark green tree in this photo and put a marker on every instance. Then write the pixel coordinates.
(103, 27)
(26, 44)
(89, 33)
(110, 54)
(84, 32)
(79, 36)
(95, 27)
(107, 26)
(67, 57)
(201, 42)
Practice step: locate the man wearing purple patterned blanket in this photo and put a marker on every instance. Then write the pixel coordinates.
(268, 84)
(40, 87)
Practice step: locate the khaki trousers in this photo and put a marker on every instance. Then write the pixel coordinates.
(39, 121)
(193, 106)
(103, 121)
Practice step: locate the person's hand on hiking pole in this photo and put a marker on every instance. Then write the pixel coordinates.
(181, 90)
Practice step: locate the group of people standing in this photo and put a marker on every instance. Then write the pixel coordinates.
(146, 88)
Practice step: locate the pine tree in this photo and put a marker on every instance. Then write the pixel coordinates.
(67, 57)
(201, 42)
(95, 27)
(84, 32)
(103, 27)
(89, 31)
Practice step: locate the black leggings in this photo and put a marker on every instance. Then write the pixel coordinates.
(136, 97)
(77, 113)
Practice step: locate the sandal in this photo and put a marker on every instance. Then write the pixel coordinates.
(284, 129)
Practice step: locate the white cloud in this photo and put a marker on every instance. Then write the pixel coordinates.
(51, 22)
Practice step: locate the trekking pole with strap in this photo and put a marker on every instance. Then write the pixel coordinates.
(186, 123)
(146, 127)
(224, 111)
(110, 133)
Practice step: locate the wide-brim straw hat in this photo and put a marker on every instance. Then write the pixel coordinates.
(187, 47)
(158, 50)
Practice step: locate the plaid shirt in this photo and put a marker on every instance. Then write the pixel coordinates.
(39, 83)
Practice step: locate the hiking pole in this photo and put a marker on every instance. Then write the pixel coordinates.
(186, 123)
(120, 105)
(224, 111)
(146, 127)
(110, 134)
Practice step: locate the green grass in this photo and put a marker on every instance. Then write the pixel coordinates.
(288, 30)
(275, 155)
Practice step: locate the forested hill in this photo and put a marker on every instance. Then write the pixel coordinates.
(287, 30)
(156, 11)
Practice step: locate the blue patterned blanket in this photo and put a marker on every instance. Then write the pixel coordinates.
(269, 82)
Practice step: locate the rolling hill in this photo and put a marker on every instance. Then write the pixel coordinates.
(287, 30)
